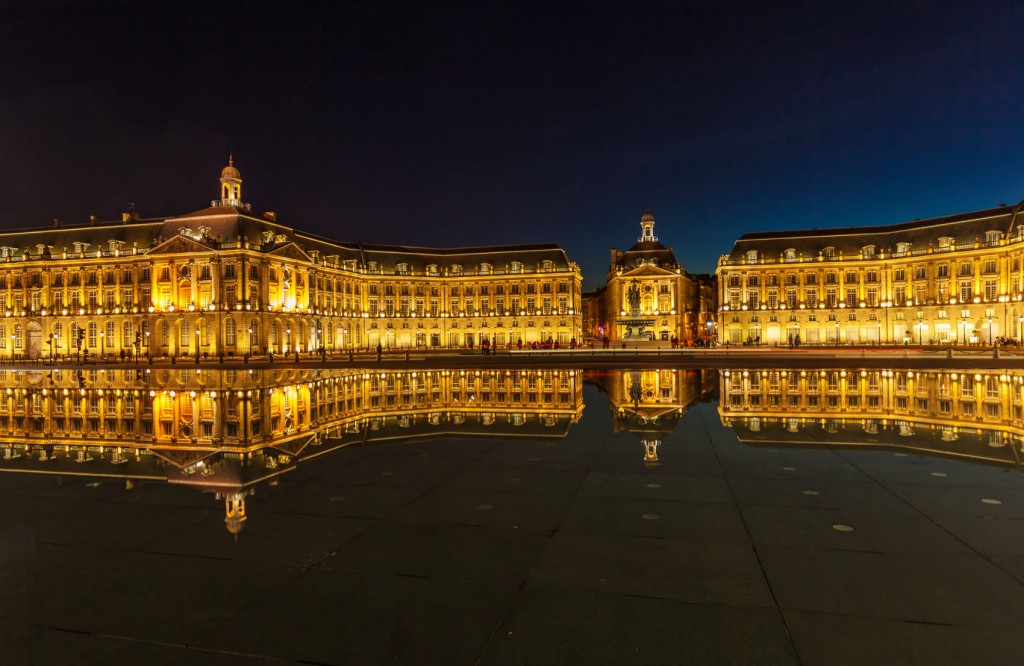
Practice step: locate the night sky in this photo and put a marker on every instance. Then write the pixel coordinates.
(436, 124)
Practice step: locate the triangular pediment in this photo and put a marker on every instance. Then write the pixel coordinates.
(181, 457)
(647, 270)
(290, 251)
(179, 244)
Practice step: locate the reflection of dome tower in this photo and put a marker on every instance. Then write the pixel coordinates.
(234, 512)
(647, 227)
(230, 184)
(651, 452)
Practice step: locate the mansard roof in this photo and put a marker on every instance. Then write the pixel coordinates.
(647, 250)
(963, 228)
(229, 224)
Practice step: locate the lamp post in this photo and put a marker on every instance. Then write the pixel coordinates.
(1020, 328)
(198, 333)
(837, 333)
(990, 331)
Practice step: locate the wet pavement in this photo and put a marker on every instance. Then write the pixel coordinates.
(576, 549)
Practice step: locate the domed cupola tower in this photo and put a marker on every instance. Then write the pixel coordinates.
(230, 185)
(646, 228)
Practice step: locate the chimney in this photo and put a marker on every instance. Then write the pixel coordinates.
(270, 215)
(56, 222)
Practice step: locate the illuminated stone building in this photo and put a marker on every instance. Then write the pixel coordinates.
(224, 431)
(226, 280)
(651, 403)
(974, 415)
(948, 280)
(649, 296)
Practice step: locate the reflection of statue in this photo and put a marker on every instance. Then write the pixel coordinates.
(633, 295)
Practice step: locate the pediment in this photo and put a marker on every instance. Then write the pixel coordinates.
(291, 251)
(647, 270)
(181, 457)
(179, 244)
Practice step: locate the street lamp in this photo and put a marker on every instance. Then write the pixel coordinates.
(1020, 328)
(837, 333)
(198, 333)
(990, 331)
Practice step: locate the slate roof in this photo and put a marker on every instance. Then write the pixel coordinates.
(230, 223)
(921, 234)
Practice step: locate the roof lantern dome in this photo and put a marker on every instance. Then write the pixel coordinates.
(230, 184)
(647, 228)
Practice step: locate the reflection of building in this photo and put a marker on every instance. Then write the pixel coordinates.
(650, 403)
(949, 279)
(224, 431)
(649, 296)
(971, 414)
(227, 280)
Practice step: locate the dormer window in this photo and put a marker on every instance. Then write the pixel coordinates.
(402, 269)
(517, 267)
(372, 266)
(752, 256)
(947, 243)
(992, 236)
(902, 249)
(829, 252)
(654, 261)
(485, 269)
(790, 254)
(431, 269)
(456, 269)
(547, 265)
(869, 251)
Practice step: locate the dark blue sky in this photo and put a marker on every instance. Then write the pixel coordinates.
(439, 124)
